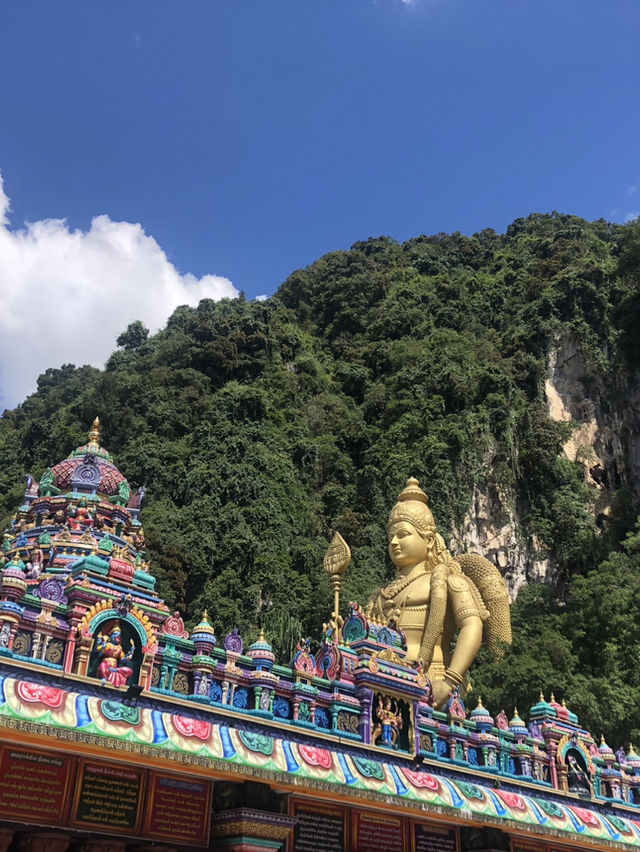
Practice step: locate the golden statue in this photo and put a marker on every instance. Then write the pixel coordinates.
(434, 597)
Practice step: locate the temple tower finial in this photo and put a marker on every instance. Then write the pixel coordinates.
(94, 433)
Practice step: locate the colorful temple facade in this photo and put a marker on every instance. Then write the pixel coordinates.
(119, 729)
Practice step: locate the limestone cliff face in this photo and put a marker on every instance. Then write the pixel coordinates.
(491, 527)
(605, 439)
(606, 417)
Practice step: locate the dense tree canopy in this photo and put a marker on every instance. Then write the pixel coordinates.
(260, 427)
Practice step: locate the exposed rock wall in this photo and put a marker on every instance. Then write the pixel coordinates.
(606, 416)
(491, 527)
(605, 439)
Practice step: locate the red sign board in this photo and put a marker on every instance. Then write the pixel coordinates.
(377, 832)
(178, 810)
(33, 786)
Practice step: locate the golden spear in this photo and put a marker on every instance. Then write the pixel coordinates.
(336, 562)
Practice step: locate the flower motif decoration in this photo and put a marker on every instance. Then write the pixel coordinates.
(37, 693)
(512, 800)
(316, 756)
(190, 727)
(422, 779)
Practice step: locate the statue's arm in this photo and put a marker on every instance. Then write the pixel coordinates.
(373, 608)
(467, 647)
(469, 623)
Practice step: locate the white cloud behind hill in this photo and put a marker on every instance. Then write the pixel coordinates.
(66, 295)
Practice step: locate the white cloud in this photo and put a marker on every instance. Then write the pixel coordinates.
(632, 215)
(66, 295)
(262, 297)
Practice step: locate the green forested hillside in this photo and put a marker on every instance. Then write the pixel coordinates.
(260, 427)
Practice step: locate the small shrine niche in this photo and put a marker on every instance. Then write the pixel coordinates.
(577, 773)
(116, 654)
(392, 726)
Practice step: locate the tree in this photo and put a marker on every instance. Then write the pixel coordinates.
(134, 336)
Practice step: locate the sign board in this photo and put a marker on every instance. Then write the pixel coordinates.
(108, 797)
(34, 785)
(434, 838)
(320, 828)
(377, 832)
(178, 809)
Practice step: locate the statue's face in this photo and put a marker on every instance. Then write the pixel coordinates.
(406, 546)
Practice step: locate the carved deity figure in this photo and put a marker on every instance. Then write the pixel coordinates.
(35, 564)
(442, 604)
(81, 516)
(389, 725)
(112, 655)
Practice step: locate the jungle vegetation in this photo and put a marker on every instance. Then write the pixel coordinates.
(261, 427)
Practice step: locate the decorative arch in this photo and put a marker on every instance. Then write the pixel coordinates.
(567, 743)
(104, 611)
(137, 631)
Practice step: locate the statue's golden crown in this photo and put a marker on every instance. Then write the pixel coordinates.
(412, 507)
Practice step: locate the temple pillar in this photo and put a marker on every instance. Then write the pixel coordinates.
(69, 651)
(83, 652)
(14, 631)
(6, 836)
(365, 725)
(249, 830)
(145, 671)
(562, 774)
(45, 841)
(172, 674)
(257, 694)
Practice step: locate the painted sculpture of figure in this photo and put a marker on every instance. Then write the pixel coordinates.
(577, 778)
(389, 724)
(442, 604)
(80, 516)
(112, 654)
(35, 563)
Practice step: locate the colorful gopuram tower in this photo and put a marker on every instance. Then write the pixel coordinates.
(75, 568)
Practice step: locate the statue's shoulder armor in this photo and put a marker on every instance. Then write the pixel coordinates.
(464, 597)
(457, 583)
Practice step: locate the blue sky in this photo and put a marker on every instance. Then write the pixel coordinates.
(242, 139)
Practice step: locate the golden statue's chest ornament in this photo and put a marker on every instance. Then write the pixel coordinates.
(436, 611)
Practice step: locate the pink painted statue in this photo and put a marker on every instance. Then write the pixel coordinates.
(110, 649)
